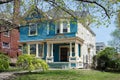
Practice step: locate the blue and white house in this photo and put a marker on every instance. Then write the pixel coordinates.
(57, 38)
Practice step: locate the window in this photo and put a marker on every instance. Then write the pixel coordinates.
(65, 27)
(7, 33)
(33, 29)
(5, 45)
(33, 49)
(20, 48)
(58, 27)
(40, 50)
(62, 27)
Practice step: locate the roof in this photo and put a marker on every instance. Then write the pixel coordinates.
(57, 13)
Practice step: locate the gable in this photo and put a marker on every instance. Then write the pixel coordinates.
(34, 13)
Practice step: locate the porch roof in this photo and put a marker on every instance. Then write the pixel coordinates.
(65, 40)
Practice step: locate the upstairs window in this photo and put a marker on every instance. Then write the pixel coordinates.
(7, 33)
(58, 27)
(32, 29)
(5, 45)
(62, 27)
(65, 26)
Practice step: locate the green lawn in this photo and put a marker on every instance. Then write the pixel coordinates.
(70, 75)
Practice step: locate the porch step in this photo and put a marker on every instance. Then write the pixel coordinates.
(59, 65)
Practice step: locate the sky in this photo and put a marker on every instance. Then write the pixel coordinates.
(103, 33)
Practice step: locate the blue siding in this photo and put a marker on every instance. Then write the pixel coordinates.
(56, 52)
(73, 26)
(41, 30)
(79, 50)
(51, 28)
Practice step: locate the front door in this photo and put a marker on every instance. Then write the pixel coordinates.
(64, 54)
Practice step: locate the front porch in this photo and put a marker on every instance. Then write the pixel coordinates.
(64, 53)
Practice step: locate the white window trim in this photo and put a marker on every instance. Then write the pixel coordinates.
(61, 27)
(7, 35)
(36, 30)
(36, 50)
(4, 46)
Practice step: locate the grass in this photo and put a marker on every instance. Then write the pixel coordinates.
(70, 75)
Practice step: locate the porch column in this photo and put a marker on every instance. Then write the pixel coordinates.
(48, 50)
(36, 50)
(76, 49)
(70, 49)
(61, 27)
(51, 50)
(28, 49)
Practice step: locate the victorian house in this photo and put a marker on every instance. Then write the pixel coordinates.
(58, 38)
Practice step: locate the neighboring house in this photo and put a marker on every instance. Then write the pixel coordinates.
(100, 46)
(9, 42)
(57, 38)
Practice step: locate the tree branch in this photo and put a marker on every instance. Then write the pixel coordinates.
(5, 1)
(55, 4)
(94, 2)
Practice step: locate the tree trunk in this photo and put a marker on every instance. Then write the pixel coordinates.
(16, 12)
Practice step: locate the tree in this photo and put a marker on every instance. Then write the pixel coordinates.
(104, 7)
(30, 63)
(115, 42)
(107, 58)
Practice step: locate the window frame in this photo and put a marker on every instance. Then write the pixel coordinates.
(35, 25)
(5, 46)
(8, 34)
(42, 51)
(60, 26)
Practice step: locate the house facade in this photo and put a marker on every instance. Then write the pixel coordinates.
(9, 43)
(100, 46)
(62, 41)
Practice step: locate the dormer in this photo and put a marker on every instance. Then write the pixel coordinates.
(35, 14)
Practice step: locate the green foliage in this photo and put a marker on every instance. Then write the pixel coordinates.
(4, 62)
(30, 63)
(108, 59)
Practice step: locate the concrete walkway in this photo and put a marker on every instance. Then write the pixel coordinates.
(6, 75)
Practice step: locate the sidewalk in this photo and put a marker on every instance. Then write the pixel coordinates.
(6, 75)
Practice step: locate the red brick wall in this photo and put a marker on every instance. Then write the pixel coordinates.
(13, 40)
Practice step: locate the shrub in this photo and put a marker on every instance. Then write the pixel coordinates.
(30, 63)
(4, 62)
(108, 59)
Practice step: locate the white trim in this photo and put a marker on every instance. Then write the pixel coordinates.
(37, 50)
(68, 27)
(28, 49)
(51, 50)
(70, 49)
(76, 49)
(61, 27)
(48, 50)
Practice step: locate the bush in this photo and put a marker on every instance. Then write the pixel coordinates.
(4, 62)
(30, 63)
(108, 59)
